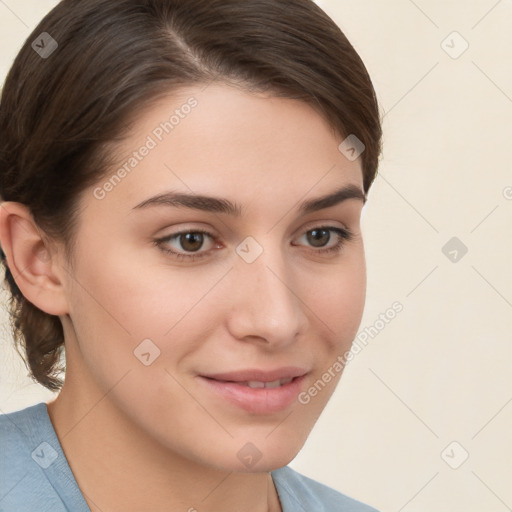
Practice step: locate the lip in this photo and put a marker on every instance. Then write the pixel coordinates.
(288, 372)
(230, 387)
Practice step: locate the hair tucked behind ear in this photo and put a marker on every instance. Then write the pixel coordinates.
(64, 106)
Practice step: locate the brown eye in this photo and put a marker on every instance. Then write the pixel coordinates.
(187, 242)
(192, 241)
(319, 237)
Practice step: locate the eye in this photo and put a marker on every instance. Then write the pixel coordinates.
(193, 241)
(320, 236)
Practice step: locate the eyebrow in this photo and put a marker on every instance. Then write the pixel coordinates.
(221, 205)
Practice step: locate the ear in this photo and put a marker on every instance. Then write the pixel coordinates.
(30, 260)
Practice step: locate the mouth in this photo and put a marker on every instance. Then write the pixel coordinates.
(257, 391)
(257, 384)
(273, 377)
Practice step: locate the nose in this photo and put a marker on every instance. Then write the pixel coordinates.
(265, 301)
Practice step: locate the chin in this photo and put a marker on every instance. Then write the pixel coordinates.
(260, 462)
(262, 452)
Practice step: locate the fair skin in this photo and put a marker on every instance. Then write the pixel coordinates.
(158, 436)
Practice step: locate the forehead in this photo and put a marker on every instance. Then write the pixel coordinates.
(223, 141)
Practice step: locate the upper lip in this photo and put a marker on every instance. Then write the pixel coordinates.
(259, 375)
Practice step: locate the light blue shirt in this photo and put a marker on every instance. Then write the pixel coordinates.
(35, 475)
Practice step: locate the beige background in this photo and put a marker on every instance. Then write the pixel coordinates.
(438, 372)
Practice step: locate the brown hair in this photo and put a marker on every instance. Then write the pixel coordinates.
(58, 113)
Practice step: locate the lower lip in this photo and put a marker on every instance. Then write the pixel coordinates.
(257, 400)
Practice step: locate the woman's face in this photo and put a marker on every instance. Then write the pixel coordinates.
(267, 298)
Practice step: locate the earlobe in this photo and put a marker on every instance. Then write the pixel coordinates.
(30, 260)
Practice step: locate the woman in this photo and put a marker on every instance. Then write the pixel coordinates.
(182, 185)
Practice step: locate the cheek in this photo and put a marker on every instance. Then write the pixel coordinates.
(131, 295)
(337, 298)
(119, 302)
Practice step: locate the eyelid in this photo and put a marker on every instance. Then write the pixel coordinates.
(315, 224)
(318, 224)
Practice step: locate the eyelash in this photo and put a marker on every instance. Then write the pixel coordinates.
(344, 235)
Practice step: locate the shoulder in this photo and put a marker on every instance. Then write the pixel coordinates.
(16, 418)
(23, 457)
(298, 492)
(16, 432)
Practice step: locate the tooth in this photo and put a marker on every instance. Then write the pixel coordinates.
(255, 384)
(274, 384)
(286, 381)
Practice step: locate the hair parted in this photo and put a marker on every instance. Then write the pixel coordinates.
(59, 114)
